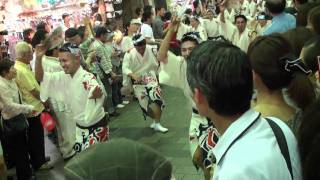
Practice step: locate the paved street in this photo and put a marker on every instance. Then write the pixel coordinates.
(130, 124)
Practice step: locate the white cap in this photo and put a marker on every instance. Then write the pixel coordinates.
(135, 21)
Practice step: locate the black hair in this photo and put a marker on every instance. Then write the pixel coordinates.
(64, 16)
(191, 36)
(146, 15)
(297, 37)
(222, 73)
(266, 55)
(240, 16)
(100, 30)
(81, 30)
(26, 33)
(137, 11)
(71, 32)
(5, 65)
(67, 47)
(39, 36)
(147, 8)
(167, 16)
(188, 11)
(158, 8)
(309, 142)
(136, 41)
(275, 6)
(42, 25)
(303, 13)
(311, 53)
(314, 18)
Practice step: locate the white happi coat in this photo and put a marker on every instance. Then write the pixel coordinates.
(173, 73)
(134, 62)
(211, 27)
(77, 91)
(241, 40)
(183, 29)
(66, 125)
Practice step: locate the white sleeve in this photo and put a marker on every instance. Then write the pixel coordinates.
(203, 34)
(10, 108)
(147, 32)
(126, 64)
(52, 82)
(182, 30)
(172, 73)
(226, 29)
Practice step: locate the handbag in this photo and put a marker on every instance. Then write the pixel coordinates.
(15, 124)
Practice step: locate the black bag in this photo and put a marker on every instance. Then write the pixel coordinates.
(14, 125)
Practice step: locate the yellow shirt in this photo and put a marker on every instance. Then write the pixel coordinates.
(27, 82)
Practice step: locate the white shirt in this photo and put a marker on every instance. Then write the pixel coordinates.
(226, 28)
(202, 32)
(256, 154)
(183, 29)
(133, 62)
(9, 100)
(211, 27)
(51, 65)
(174, 73)
(241, 40)
(146, 31)
(127, 44)
(77, 91)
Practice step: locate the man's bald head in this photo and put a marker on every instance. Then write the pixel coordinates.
(275, 6)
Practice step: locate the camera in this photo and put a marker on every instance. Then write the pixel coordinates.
(263, 16)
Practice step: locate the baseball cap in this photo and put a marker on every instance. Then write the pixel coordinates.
(135, 21)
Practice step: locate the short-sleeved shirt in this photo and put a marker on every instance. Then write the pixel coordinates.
(280, 24)
(158, 28)
(146, 31)
(27, 82)
(77, 92)
(255, 154)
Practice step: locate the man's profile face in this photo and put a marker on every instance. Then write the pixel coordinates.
(186, 48)
(69, 62)
(162, 12)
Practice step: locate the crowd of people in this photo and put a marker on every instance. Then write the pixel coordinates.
(249, 69)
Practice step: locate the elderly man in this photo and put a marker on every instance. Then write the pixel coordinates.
(250, 147)
(30, 92)
(83, 93)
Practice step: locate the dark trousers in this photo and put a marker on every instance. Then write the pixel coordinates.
(116, 93)
(109, 106)
(36, 142)
(4, 144)
(18, 151)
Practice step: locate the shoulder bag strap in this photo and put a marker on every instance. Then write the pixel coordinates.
(282, 142)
